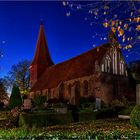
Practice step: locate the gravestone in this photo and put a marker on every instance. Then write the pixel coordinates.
(98, 103)
(27, 104)
(138, 94)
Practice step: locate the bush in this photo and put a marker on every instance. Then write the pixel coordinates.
(117, 103)
(39, 100)
(106, 113)
(87, 116)
(43, 119)
(135, 116)
(15, 98)
(127, 110)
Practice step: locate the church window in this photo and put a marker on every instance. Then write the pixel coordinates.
(102, 67)
(49, 93)
(61, 90)
(69, 89)
(97, 67)
(77, 87)
(85, 87)
(107, 64)
(121, 67)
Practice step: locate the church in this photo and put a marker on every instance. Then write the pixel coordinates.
(100, 72)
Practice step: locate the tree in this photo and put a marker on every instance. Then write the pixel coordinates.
(15, 98)
(122, 17)
(19, 76)
(3, 94)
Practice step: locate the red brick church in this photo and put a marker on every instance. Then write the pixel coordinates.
(100, 73)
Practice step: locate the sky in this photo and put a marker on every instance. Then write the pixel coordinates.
(67, 36)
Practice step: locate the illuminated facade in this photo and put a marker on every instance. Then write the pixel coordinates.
(100, 73)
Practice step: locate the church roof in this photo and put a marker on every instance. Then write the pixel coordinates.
(79, 66)
(42, 55)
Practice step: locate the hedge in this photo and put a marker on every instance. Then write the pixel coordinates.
(43, 119)
(39, 119)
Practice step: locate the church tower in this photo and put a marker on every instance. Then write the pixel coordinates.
(42, 59)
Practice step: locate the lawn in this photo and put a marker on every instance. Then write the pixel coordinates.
(99, 130)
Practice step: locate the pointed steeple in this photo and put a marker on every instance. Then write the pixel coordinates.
(42, 59)
(42, 55)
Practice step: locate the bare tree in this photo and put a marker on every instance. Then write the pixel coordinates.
(19, 76)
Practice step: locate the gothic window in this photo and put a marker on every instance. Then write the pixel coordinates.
(97, 67)
(121, 67)
(102, 67)
(49, 93)
(69, 89)
(77, 87)
(107, 64)
(61, 90)
(85, 87)
(77, 91)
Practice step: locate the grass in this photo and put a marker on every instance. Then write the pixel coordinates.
(99, 129)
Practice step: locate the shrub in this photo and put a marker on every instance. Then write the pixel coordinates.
(15, 98)
(127, 110)
(135, 116)
(39, 100)
(117, 103)
(43, 119)
(87, 116)
(106, 113)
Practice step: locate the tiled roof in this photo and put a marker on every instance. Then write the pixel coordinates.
(79, 66)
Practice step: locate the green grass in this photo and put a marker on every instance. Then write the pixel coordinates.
(99, 130)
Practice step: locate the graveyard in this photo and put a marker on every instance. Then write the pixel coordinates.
(60, 121)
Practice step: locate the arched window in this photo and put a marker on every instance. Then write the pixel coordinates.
(121, 67)
(77, 87)
(97, 67)
(107, 64)
(61, 90)
(77, 91)
(85, 87)
(69, 90)
(102, 67)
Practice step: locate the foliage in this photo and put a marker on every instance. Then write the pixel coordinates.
(15, 98)
(117, 103)
(39, 119)
(127, 110)
(106, 113)
(135, 116)
(3, 94)
(18, 75)
(123, 22)
(39, 100)
(102, 129)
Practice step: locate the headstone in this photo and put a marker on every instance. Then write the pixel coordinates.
(138, 94)
(27, 104)
(98, 103)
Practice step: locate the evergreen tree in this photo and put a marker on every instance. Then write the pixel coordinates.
(15, 98)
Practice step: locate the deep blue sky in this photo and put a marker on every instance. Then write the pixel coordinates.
(19, 27)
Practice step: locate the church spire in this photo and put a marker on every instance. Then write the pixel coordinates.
(42, 55)
(42, 59)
